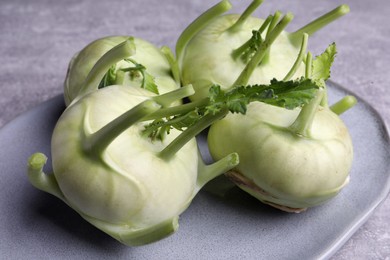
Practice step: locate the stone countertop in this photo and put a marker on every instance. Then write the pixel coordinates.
(38, 38)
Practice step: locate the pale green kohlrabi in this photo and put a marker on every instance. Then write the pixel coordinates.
(120, 180)
(232, 49)
(290, 159)
(289, 165)
(121, 60)
(125, 168)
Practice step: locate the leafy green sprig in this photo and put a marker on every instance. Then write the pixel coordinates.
(287, 94)
(137, 70)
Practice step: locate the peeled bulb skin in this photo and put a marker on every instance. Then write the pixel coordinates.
(129, 189)
(146, 54)
(208, 56)
(278, 166)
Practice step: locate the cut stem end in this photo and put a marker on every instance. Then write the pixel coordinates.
(197, 25)
(209, 172)
(322, 21)
(40, 180)
(245, 15)
(343, 105)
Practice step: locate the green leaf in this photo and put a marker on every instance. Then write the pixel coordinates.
(287, 94)
(253, 46)
(215, 93)
(136, 71)
(148, 83)
(159, 128)
(323, 63)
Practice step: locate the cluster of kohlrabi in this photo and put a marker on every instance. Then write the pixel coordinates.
(124, 153)
(290, 159)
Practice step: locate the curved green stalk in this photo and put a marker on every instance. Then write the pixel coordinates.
(243, 78)
(322, 21)
(309, 65)
(94, 144)
(343, 105)
(209, 172)
(136, 236)
(198, 24)
(40, 180)
(116, 54)
(172, 62)
(274, 21)
(167, 99)
(302, 124)
(299, 59)
(176, 110)
(97, 142)
(236, 53)
(324, 102)
(169, 151)
(245, 15)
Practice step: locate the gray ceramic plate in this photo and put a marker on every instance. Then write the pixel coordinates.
(35, 225)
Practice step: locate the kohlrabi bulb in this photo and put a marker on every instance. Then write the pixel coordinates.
(220, 49)
(290, 159)
(208, 57)
(118, 59)
(118, 179)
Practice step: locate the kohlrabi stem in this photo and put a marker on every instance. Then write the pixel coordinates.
(165, 100)
(322, 21)
(245, 15)
(170, 150)
(309, 65)
(201, 22)
(40, 180)
(274, 21)
(266, 23)
(343, 105)
(116, 54)
(96, 143)
(245, 75)
(172, 62)
(241, 50)
(299, 59)
(176, 110)
(302, 124)
(324, 101)
(208, 172)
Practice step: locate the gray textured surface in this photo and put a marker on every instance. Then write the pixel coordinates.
(38, 37)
